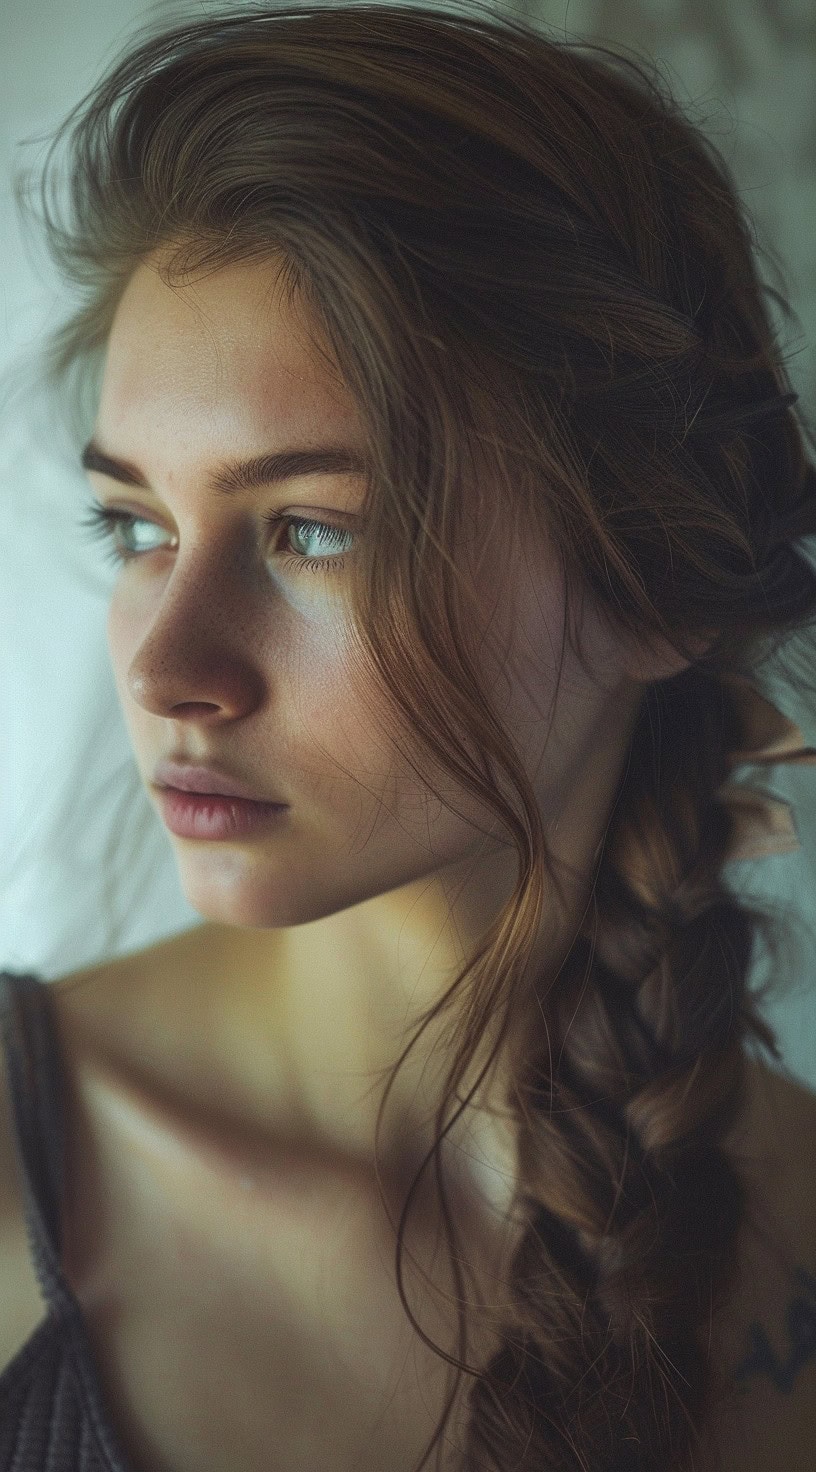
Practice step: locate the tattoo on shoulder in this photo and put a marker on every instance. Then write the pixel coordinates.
(800, 1321)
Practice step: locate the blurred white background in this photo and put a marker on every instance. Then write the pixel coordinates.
(86, 869)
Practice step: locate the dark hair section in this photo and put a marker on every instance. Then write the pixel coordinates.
(535, 277)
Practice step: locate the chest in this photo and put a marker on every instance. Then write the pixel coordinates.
(232, 1376)
(247, 1329)
(246, 1321)
(301, 1356)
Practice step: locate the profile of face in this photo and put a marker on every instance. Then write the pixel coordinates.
(227, 649)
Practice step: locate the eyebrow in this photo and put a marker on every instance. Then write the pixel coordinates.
(242, 475)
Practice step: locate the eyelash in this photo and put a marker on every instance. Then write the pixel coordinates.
(103, 521)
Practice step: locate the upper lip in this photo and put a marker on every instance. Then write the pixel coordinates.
(204, 779)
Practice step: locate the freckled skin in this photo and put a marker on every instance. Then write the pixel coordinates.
(370, 893)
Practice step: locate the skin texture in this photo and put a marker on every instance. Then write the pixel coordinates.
(354, 913)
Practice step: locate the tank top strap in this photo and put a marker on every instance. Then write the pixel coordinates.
(31, 1047)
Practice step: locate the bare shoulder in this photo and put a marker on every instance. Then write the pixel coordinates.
(87, 1004)
(779, 1098)
(766, 1337)
(122, 1001)
(776, 1148)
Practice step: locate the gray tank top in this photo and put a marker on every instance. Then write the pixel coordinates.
(52, 1416)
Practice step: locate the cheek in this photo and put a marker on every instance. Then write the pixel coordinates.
(335, 719)
(118, 635)
(346, 735)
(120, 654)
(126, 621)
(125, 627)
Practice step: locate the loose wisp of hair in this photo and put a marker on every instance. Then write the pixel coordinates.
(536, 279)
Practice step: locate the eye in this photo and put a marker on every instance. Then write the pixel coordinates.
(111, 525)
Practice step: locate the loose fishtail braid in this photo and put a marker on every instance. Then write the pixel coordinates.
(634, 1204)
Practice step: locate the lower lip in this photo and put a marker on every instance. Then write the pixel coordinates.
(205, 815)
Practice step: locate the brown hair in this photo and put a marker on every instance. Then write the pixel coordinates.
(526, 262)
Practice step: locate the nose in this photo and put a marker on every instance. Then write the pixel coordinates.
(196, 657)
(197, 678)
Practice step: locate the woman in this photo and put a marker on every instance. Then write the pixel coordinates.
(440, 432)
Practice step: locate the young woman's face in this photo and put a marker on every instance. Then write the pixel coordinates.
(229, 651)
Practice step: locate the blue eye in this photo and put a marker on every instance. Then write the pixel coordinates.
(110, 524)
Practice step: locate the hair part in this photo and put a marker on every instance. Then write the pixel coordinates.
(536, 280)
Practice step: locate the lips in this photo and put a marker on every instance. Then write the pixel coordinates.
(207, 780)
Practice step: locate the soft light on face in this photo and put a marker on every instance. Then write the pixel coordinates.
(225, 652)
(348, 918)
(224, 649)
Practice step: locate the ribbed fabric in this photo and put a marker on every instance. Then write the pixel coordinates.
(52, 1416)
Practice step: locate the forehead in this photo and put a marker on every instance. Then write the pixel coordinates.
(227, 350)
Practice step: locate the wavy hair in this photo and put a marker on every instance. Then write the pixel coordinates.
(533, 273)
